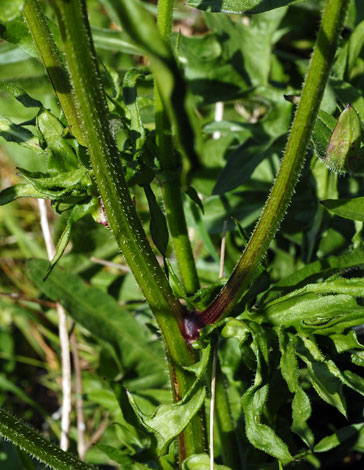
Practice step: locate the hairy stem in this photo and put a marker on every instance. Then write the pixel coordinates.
(53, 63)
(123, 220)
(282, 191)
(171, 164)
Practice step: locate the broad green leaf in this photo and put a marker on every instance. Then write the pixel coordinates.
(31, 441)
(20, 95)
(12, 132)
(201, 462)
(62, 157)
(10, 9)
(19, 190)
(316, 270)
(158, 223)
(45, 181)
(101, 314)
(346, 342)
(239, 6)
(16, 32)
(339, 437)
(352, 209)
(308, 309)
(169, 421)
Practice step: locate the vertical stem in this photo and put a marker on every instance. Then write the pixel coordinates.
(123, 220)
(53, 63)
(171, 164)
(282, 191)
(63, 337)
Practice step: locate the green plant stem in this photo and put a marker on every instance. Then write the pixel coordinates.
(225, 424)
(53, 63)
(123, 220)
(283, 188)
(171, 165)
(25, 437)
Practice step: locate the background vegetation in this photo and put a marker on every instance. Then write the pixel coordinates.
(254, 65)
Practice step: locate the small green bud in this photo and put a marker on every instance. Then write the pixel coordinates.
(343, 154)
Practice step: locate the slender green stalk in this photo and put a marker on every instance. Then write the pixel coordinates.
(123, 220)
(25, 437)
(282, 191)
(171, 164)
(53, 63)
(225, 424)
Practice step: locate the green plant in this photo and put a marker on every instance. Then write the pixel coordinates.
(277, 329)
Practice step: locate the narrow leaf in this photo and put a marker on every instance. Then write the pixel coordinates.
(23, 436)
(158, 223)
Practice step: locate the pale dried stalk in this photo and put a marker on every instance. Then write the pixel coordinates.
(63, 337)
(81, 445)
(219, 113)
(214, 358)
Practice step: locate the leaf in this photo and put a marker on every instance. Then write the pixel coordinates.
(316, 270)
(339, 437)
(10, 9)
(239, 6)
(16, 133)
(356, 43)
(240, 165)
(20, 95)
(16, 32)
(348, 342)
(343, 153)
(130, 99)
(101, 314)
(301, 406)
(325, 376)
(25, 437)
(17, 191)
(261, 435)
(62, 157)
(169, 421)
(193, 195)
(323, 128)
(78, 212)
(200, 462)
(158, 223)
(301, 412)
(305, 309)
(352, 209)
(140, 27)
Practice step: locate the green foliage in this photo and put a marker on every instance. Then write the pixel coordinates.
(290, 353)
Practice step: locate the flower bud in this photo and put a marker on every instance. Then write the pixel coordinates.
(343, 154)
